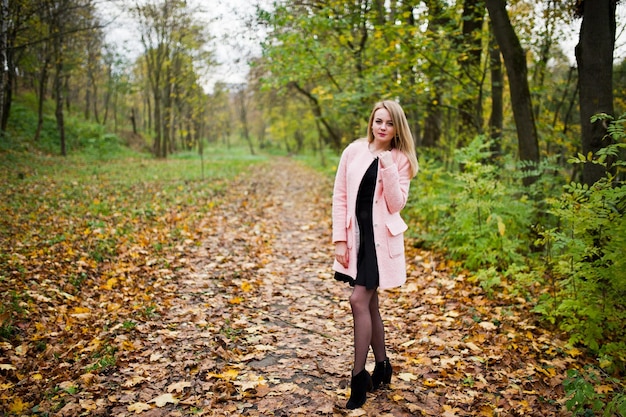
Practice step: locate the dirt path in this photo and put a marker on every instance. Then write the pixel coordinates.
(256, 326)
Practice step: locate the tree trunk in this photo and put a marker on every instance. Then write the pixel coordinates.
(594, 55)
(43, 81)
(243, 118)
(433, 118)
(517, 71)
(470, 108)
(58, 91)
(133, 120)
(4, 16)
(333, 135)
(497, 93)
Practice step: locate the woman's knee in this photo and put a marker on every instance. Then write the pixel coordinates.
(360, 299)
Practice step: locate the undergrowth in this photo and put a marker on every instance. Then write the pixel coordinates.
(558, 245)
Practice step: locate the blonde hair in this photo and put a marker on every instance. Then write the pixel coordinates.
(403, 141)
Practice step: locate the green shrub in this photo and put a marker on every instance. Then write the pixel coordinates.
(477, 214)
(588, 395)
(585, 255)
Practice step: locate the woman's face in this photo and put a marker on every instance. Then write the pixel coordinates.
(382, 127)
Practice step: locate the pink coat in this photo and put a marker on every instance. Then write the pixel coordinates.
(390, 196)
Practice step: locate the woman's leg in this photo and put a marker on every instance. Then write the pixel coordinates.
(378, 330)
(360, 302)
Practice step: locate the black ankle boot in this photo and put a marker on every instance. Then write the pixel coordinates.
(359, 385)
(382, 373)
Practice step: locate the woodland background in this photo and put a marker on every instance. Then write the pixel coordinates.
(521, 150)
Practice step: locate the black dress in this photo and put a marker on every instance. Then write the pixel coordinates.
(367, 263)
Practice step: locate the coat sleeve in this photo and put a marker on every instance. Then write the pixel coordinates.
(340, 201)
(396, 181)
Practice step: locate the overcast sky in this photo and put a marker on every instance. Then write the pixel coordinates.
(226, 20)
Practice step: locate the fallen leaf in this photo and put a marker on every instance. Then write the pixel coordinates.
(487, 325)
(138, 408)
(17, 406)
(407, 377)
(179, 386)
(163, 400)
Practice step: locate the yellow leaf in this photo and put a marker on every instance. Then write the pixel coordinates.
(235, 300)
(501, 227)
(246, 286)
(574, 352)
(80, 310)
(231, 374)
(17, 406)
(128, 346)
(163, 400)
(37, 377)
(486, 411)
(433, 383)
(138, 407)
(603, 389)
(111, 283)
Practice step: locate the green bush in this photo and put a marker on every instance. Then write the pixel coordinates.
(560, 245)
(584, 399)
(585, 255)
(477, 214)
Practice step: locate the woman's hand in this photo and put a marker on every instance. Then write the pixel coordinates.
(342, 253)
(385, 159)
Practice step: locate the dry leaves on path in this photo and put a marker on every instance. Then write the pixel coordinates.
(253, 324)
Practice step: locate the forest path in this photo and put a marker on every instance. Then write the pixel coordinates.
(257, 326)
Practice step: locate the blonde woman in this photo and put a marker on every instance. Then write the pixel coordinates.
(371, 187)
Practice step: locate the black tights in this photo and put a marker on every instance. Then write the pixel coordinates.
(368, 327)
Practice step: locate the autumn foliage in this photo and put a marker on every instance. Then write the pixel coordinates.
(161, 296)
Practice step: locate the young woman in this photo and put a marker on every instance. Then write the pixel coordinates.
(371, 187)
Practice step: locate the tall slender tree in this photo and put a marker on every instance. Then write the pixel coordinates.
(594, 55)
(168, 29)
(4, 67)
(517, 71)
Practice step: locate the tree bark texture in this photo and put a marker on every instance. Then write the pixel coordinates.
(433, 118)
(4, 67)
(594, 56)
(470, 107)
(497, 93)
(517, 71)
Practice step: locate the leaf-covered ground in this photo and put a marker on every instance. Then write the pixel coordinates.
(241, 316)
